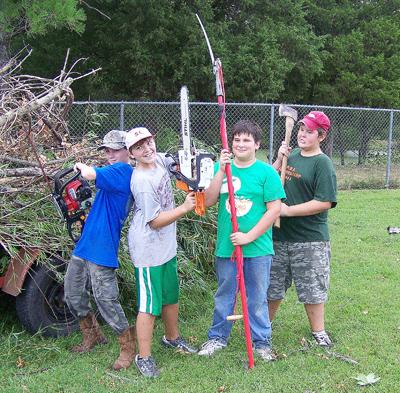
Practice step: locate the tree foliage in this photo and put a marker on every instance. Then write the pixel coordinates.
(37, 16)
(326, 52)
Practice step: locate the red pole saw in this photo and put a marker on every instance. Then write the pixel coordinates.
(238, 253)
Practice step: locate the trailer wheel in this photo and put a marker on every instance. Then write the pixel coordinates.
(41, 306)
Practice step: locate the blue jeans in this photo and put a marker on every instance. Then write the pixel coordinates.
(256, 277)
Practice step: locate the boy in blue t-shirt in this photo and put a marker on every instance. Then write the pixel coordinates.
(95, 256)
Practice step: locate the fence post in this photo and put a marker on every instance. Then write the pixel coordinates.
(121, 116)
(389, 151)
(271, 134)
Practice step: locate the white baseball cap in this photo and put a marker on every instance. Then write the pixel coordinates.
(135, 135)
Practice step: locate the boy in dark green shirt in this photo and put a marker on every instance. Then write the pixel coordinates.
(302, 248)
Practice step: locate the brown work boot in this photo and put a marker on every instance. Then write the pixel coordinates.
(127, 344)
(92, 334)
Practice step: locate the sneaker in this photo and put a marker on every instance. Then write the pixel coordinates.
(265, 353)
(210, 346)
(147, 366)
(180, 344)
(322, 339)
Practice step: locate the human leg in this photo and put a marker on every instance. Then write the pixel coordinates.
(144, 331)
(256, 275)
(169, 316)
(149, 301)
(106, 294)
(280, 278)
(76, 285)
(311, 269)
(273, 306)
(143, 360)
(315, 314)
(224, 303)
(224, 299)
(170, 309)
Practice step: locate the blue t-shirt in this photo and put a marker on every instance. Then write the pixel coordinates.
(100, 238)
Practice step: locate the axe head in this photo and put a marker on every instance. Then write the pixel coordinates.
(287, 111)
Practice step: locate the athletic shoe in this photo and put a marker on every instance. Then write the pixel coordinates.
(265, 353)
(147, 366)
(180, 344)
(322, 339)
(211, 346)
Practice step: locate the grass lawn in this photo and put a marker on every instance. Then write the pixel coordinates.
(362, 316)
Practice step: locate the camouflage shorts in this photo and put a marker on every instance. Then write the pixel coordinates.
(307, 265)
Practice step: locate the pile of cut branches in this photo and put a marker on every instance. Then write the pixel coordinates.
(34, 143)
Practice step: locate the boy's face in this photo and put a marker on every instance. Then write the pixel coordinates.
(307, 139)
(244, 147)
(114, 156)
(144, 152)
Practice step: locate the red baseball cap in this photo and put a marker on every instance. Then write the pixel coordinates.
(315, 120)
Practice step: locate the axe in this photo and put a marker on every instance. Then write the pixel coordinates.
(291, 117)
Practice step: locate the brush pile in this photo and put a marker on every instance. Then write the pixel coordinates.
(35, 144)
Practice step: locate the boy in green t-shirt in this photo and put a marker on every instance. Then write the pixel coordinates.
(258, 194)
(302, 248)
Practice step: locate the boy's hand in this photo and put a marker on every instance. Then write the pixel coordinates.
(78, 166)
(240, 238)
(284, 210)
(87, 172)
(225, 158)
(283, 151)
(190, 202)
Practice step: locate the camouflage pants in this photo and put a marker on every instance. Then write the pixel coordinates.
(307, 265)
(80, 277)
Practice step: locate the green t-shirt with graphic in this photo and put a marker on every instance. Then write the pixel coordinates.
(307, 178)
(254, 186)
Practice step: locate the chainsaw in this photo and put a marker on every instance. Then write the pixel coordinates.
(72, 197)
(193, 169)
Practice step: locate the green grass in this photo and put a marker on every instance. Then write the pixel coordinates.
(362, 316)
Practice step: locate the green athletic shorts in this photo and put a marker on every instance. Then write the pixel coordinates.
(156, 286)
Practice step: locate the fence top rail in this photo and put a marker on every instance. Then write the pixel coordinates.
(174, 103)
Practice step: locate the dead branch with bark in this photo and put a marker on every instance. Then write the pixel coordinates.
(35, 143)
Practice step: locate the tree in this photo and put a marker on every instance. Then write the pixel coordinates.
(34, 17)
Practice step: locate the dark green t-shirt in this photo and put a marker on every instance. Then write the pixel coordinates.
(254, 186)
(307, 178)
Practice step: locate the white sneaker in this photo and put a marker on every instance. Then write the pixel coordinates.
(210, 346)
(322, 339)
(265, 353)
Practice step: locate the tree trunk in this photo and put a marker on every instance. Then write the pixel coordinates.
(4, 54)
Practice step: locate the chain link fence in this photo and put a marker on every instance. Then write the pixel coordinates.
(363, 142)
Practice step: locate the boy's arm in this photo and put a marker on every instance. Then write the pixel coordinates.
(305, 209)
(212, 192)
(87, 172)
(265, 222)
(168, 217)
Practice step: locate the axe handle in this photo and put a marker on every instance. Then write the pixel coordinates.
(288, 134)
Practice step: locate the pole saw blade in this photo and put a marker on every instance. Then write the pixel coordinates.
(207, 40)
